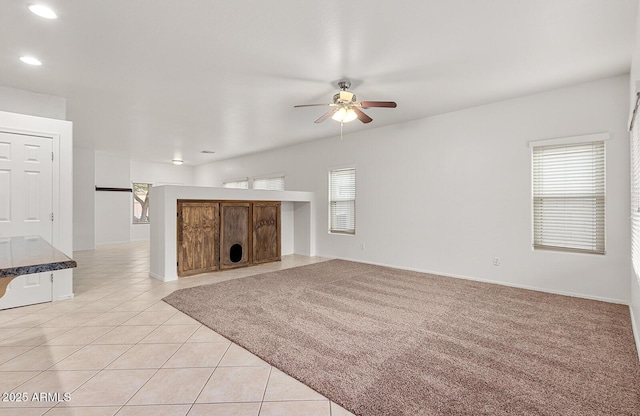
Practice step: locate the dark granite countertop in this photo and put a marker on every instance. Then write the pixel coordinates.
(31, 254)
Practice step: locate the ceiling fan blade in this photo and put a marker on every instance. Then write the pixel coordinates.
(310, 105)
(326, 115)
(362, 116)
(387, 104)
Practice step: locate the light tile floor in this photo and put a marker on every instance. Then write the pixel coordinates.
(118, 349)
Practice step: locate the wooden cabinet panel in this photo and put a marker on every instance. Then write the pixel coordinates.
(234, 234)
(266, 232)
(198, 231)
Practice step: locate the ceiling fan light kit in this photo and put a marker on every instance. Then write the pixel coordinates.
(344, 115)
(346, 108)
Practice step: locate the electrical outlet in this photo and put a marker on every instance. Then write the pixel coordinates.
(496, 261)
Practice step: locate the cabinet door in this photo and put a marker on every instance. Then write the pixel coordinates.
(266, 232)
(234, 234)
(198, 231)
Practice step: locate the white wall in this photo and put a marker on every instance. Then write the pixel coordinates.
(84, 204)
(32, 103)
(112, 217)
(448, 193)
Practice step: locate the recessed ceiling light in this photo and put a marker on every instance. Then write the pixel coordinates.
(43, 11)
(207, 152)
(177, 161)
(30, 60)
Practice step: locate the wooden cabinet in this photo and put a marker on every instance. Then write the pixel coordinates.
(214, 235)
(198, 231)
(266, 232)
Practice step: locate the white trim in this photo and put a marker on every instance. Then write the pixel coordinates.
(275, 175)
(636, 335)
(64, 297)
(162, 278)
(633, 111)
(634, 107)
(571, 140)
(340, 167)
(242, 179)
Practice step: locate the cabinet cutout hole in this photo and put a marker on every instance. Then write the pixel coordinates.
(235, 253)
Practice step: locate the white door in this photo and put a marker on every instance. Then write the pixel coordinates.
(26, 183)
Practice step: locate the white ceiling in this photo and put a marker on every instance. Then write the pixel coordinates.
(158, 79)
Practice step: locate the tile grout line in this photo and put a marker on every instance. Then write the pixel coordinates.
(210, 375)
(266, 386)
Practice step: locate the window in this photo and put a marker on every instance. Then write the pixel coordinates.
(635, 190)
(141, 203)
(569, 196)
(342, 201)
(237, 183)
(273, 183)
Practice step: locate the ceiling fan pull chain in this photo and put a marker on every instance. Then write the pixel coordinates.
(341, 124)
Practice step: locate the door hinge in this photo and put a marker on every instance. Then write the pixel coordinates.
(51, 277)
(52, 216)
(177, 263)
(52, 156)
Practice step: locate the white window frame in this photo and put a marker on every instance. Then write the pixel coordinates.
(272, 182)
(568, 236)
(233, 183)
(634, 138)
(133, 204)
(334, 200)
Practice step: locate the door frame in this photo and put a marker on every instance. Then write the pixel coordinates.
(55, 175)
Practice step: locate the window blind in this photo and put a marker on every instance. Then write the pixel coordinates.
(569, 197)
(635, 193)
(238, 184)
(275, 183)
(342, 201)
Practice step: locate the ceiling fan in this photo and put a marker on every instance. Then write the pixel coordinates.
(346, 108)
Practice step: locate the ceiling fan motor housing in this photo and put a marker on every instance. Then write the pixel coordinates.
(344, 97)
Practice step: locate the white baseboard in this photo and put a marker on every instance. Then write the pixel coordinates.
(636, 335)
(161, 278)
(519, 286)
(65, 297)
(107, 243)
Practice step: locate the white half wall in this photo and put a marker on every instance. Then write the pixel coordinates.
(447, 194)
(297, 232)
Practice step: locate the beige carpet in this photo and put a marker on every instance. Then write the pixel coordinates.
(381, 341)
